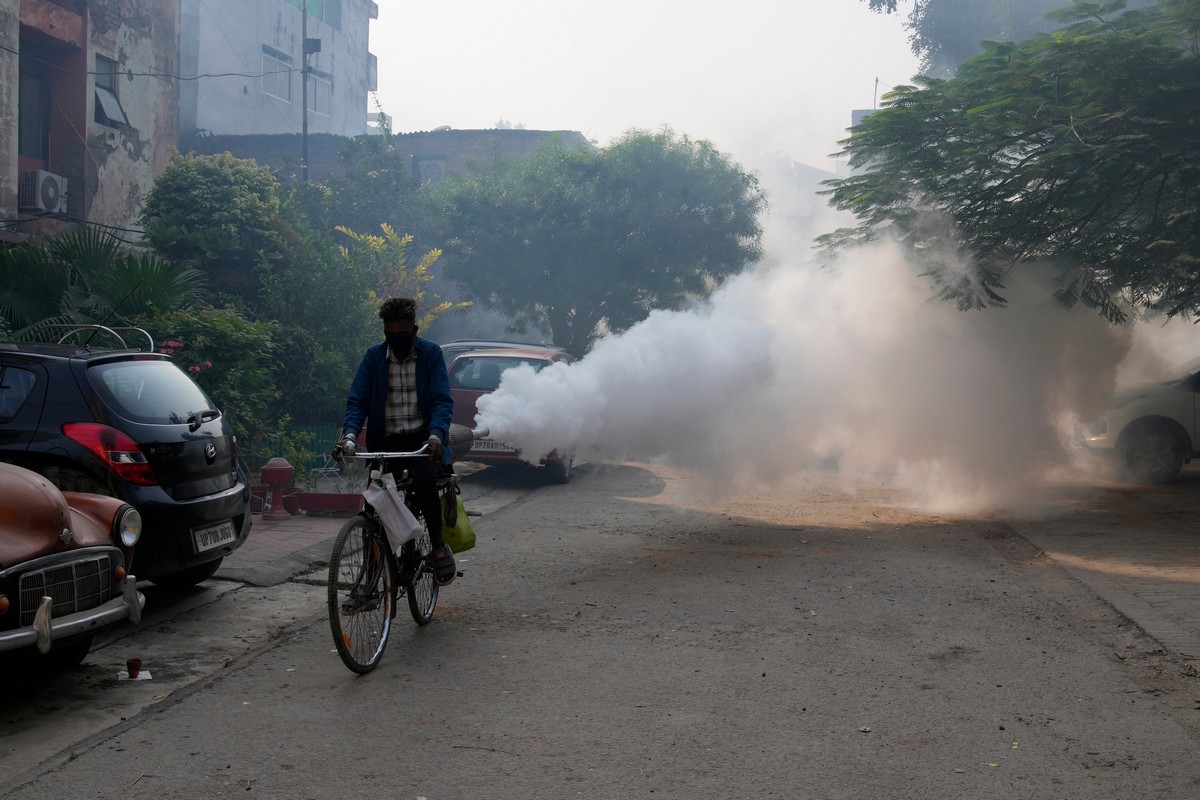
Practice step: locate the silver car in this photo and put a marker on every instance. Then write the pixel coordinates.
(1150, 429)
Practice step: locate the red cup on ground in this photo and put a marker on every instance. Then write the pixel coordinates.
(134, 665)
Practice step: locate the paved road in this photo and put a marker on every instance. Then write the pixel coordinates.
(617, 637)
(1136, 547)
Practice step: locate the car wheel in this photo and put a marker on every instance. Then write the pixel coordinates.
(559, 471)
(187, 578)
(1153, 453)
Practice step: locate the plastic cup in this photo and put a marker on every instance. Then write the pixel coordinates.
(134, 666)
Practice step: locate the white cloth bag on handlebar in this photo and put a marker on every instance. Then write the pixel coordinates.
(398, 522)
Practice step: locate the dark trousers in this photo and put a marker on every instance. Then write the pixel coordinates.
(424, 472)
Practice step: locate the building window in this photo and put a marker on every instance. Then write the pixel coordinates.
(277, 74)
(108, 105)
(33, 138)
(320, 93)
(327, 11)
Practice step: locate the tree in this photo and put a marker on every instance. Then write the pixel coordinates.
(384, 258)
(219, 214)
(945, 33)
(1080, 149)
(378, 186)
(235, 362)
(577, 241)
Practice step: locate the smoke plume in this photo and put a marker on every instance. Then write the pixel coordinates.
(792, 367)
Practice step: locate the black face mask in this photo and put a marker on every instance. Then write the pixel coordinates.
(400, 343)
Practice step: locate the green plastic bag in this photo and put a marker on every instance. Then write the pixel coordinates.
(456, 525)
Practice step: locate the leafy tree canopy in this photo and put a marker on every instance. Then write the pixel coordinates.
(1080, 148)
(218, 213)
(378, 186)
(945, 33)
(577, 241)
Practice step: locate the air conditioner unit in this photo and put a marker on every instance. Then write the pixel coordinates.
(43, 191)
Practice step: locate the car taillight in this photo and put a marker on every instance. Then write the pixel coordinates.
(118, 451)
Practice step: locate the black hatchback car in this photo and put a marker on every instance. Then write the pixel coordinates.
(133, 425)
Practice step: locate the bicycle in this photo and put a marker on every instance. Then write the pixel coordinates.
(367, 578)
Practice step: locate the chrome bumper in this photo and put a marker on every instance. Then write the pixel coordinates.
(45, 630)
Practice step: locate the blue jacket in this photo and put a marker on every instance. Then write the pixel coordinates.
(368, 394)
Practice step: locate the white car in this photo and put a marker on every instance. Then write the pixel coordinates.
(1150, 428)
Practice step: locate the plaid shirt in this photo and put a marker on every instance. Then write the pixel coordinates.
(401, 414)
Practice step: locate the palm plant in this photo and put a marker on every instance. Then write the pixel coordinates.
(88, 277)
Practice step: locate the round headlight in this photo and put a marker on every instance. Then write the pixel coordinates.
(130, 527)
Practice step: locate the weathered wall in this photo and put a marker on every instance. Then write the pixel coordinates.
(108, 167)
(122, 162)
(10, 37)
(228, 36)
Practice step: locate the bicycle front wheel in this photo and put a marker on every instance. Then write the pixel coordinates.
(422, 586)
(362, 593)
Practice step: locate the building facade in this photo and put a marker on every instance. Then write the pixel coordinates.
(88, 109)
(249, 56)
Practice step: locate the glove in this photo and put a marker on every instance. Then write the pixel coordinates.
(345, 447)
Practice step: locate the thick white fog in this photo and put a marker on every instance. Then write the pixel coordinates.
(792, 367)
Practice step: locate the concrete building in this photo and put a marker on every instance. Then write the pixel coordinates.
(249, 56)
(88, 109)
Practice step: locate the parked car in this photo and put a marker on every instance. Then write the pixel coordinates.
(133, 425)
(64, 567)
(476, 373)
(1150, 429)
(456, 347)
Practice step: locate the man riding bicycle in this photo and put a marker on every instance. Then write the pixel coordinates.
(402, 394)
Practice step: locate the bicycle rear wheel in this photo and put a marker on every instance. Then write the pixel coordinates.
(362, 593)
(422, 587)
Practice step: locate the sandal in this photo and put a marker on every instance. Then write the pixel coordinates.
(444, 568)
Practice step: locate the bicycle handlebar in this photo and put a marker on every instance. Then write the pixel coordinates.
(420, 451)
(477, 433)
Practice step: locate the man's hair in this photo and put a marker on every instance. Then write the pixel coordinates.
(398, 309)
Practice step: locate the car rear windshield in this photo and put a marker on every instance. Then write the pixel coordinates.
(483, 374)
(152, 391)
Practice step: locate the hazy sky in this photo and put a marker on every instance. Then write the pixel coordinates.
(777, 76)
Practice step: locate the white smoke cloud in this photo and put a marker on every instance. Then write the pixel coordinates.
(792, 367)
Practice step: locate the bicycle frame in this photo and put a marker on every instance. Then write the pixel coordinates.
(366, 576)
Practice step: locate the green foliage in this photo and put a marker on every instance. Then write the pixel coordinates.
(234, 361)
(378, 187)
(33, 287)
(87, 277)
(220, 214)
(384, 261)
(945, 33)
(1078, 148)
(575, 241)
(322, 307)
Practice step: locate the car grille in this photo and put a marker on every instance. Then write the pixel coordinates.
(71, 587)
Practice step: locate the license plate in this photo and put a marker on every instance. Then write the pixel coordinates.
(214, 536)
(493, 447)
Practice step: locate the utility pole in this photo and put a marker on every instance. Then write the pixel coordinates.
(304, 92)
(307, 47)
